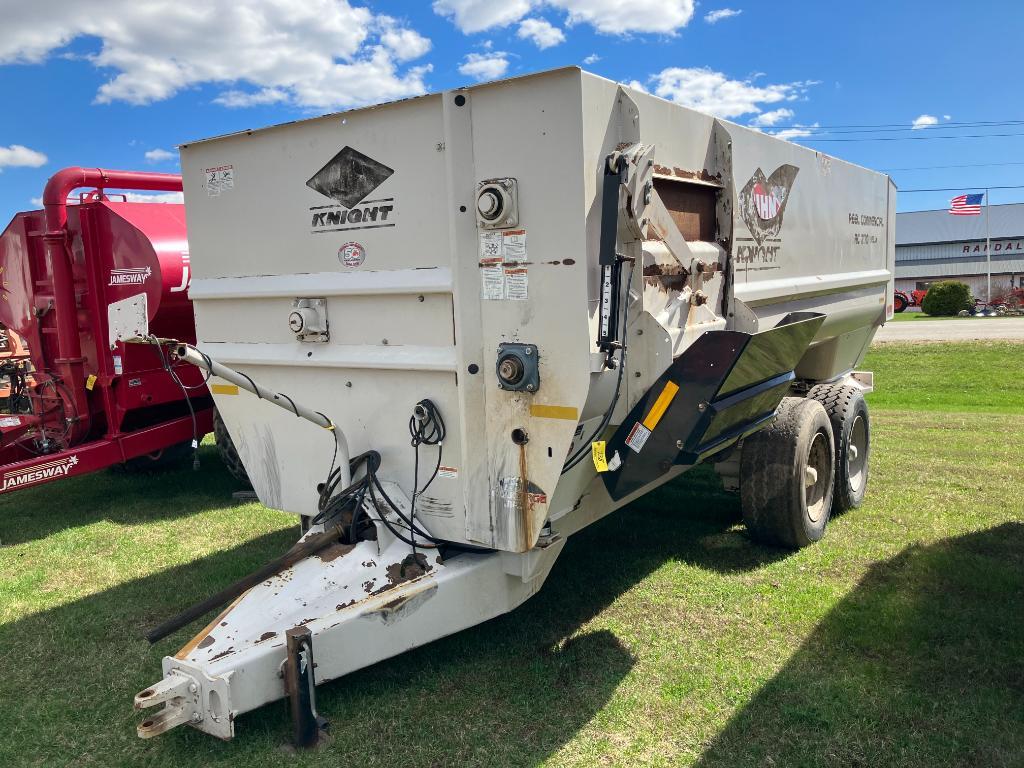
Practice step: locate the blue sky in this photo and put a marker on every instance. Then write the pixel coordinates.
(119, 83)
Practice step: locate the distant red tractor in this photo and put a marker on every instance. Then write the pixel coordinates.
(76, 281)
(903, 299)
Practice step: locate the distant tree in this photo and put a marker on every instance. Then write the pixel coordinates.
(947, 298)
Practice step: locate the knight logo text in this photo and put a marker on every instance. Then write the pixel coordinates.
(348, 179)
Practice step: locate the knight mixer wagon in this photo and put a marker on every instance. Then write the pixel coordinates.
(76, 282)
(490, 317)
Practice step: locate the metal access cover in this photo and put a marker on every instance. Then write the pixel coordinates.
(127, 319)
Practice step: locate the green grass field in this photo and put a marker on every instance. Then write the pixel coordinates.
(663, 637)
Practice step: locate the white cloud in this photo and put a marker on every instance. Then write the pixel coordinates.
(17, 156)
(947, 117)
(155, 197)
(612, 17)
(615, 17)
(131, 197)
(768, 119)
(477, 15)
(713, 17)
(485, 66)
(542, 33)
(159, 156)
(796, 132)
(236, 99)
(319, 53)
(592, 59)
(406, 44)
(713, 92)
(924, 121)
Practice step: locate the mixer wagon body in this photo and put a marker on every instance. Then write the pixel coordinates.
(595, 288)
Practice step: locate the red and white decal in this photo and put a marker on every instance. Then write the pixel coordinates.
(38, 473)
(637, 437)
(352, 254)
(766, 201)
(185, 273)
(130, 276)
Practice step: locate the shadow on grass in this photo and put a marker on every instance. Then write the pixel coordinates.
(122, 497)
(922, 664)
(509, 692)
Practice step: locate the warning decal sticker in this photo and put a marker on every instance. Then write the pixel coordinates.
(504, 270)
(219, 179)
(638, 437)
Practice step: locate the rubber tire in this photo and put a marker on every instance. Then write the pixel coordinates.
(228, 452)
(899, 304)
(170, 457)
(773, 461)
(844, 404)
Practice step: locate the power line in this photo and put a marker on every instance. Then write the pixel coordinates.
(913, 138)
(818, 130)
(909, 126)
(960, 189)
(943, 167)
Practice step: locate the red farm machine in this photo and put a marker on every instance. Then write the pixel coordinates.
(76, 280)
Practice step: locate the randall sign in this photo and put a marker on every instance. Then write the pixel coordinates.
(38, 473)
(999, 246)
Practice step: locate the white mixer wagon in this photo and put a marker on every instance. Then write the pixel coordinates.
(514, 308)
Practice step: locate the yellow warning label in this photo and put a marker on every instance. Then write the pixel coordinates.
(90, 382)
(661, 405)
(554, 412)
(224, 389)
(600, 462)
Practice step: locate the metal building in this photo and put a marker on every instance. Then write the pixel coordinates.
(935, 245)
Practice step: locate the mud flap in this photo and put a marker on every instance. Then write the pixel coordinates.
(724, 386)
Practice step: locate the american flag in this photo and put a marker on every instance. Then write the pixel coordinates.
(966, 205)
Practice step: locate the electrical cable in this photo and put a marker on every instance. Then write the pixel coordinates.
(584, 448)
(426, 427)
(184, 390)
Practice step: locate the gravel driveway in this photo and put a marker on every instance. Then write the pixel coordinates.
(967, 329)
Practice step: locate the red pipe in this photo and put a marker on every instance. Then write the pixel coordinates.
(69, 362)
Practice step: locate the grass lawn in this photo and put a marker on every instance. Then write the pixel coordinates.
(663, 637)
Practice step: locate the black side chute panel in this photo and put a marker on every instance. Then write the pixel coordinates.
(725, 385)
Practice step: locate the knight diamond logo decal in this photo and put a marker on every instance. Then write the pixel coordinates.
(349, 177)
(763, 201)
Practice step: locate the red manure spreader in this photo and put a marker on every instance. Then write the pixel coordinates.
(76, 279)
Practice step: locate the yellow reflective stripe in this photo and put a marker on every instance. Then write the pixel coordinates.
(554, 412)
(224, 389)
(661, 405)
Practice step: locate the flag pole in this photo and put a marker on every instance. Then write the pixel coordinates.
(988, 253)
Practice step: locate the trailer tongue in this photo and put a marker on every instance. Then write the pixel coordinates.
(579, 292)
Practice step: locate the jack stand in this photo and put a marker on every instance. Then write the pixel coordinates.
(308, 727)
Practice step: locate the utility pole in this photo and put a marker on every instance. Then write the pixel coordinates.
(988, 252)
